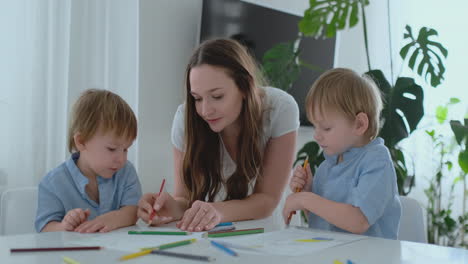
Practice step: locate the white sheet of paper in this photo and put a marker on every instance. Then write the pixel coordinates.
(283, 242)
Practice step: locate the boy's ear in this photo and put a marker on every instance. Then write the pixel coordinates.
(362, 123)
(79, 142)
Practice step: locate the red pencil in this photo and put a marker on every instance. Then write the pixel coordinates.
(18, 250)
(160, 191)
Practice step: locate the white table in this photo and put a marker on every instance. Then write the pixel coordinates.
(365, 250)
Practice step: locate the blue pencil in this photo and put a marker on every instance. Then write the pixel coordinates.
(223, 248)
(224, 224)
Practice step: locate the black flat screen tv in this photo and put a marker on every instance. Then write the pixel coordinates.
(260, 28)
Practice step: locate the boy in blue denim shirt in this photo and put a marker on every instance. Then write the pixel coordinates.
(354, 188)
(97, 189)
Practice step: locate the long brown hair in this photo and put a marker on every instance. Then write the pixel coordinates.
(202, 166)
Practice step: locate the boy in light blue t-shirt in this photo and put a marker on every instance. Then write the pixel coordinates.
(354, 189)
(97, 189)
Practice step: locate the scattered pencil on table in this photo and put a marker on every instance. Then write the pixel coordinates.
(153, 213)
(222, 228)
(224, 224)
(234, 232)
(182, 255)
(69, 260)
(173, 244)
(310, 240)
(46, 249)
(236, 246)
(224, 248)
(136, 255)
(167, 233)
(306, 162)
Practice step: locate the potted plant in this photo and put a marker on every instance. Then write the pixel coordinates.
(442, 228)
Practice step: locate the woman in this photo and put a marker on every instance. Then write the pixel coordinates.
(233, 140)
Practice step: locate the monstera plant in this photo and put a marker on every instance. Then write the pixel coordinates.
(403, 99)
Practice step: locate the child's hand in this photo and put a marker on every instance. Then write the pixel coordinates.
(74, 218)
(165, 207)
(292, 204)
(103, 223)
(302, 179)
(201, 216)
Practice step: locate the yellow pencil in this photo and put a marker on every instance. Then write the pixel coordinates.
(70, 260)
(306, 162)
(135, 255)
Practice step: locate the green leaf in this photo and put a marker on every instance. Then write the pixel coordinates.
(395, 101)
(441, 114)
(430, 132)
(280, 65)
(454, 100)
(325, 17)
(313, 151)
(463, 160)
(460, 131)
(431, 66)
(449, 165)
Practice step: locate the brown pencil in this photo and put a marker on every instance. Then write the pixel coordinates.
(19, 250)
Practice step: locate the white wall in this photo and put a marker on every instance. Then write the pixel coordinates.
(169, 30)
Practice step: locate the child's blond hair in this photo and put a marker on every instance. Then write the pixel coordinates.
(348, 93)
(101, 109)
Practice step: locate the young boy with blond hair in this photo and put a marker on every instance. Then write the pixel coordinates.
(97, 189)
(354, 189)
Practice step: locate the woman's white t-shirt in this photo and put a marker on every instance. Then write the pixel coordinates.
(281, 117)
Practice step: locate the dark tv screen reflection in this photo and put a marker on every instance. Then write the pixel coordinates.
(261, 28)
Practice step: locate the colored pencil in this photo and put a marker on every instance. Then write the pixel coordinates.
(224, 248)
(170, 233)
(135, 255)
(231, 245)
(173, 244)
(225, 224)
(153, 213)
(306, 162)
(45, 249)
(182, 255)
(221, 228)
(234, 233)
(70, 260)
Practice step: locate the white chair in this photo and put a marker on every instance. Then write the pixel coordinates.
(412, 224)
(18, 210)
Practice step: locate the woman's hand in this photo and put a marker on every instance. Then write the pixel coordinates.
(302, 179)
(200, 217)
(165, 207)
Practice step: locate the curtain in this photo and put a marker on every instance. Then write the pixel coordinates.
(51, 51)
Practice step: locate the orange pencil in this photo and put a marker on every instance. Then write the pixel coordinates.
(306, 162)
(153, 213)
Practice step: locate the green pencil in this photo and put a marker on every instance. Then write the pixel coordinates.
(234, 232)
(172, 233)
(173, 244)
